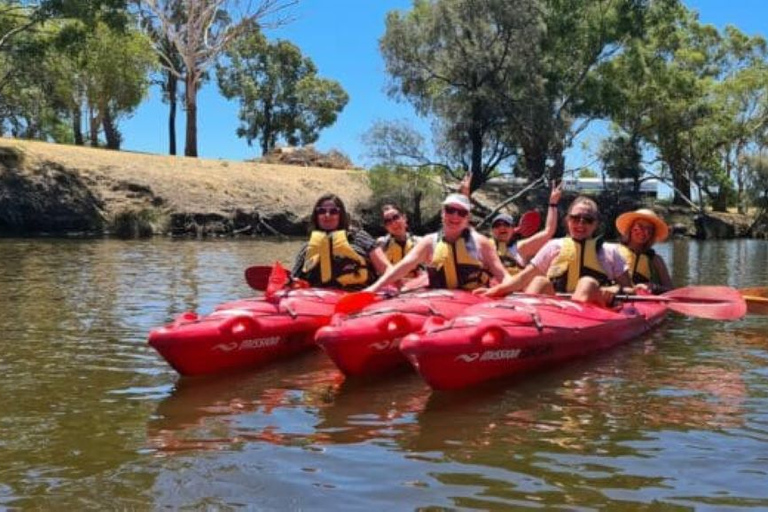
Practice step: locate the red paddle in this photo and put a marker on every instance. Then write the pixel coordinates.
(271, 279)
(757, 299)
(712, 302)
(257, 276)
(529, 224)
(354, 302)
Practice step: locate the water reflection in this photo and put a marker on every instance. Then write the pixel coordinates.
(93, 417)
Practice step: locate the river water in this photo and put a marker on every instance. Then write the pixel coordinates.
(91, 417)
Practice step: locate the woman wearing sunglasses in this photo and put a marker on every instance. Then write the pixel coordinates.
(578, 264)
(457, 257)
(398, 241)
(515, 253)
(639, 231)
(337, 256)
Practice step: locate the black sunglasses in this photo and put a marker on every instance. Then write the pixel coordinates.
(582, 219)
(450, 210)
(327, 211)
(500, 223)
(392, 218)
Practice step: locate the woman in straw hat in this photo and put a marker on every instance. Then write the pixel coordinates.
(639, 230)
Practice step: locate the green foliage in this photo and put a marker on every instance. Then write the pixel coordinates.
(281, 97)
(455, 60)
(413, 190)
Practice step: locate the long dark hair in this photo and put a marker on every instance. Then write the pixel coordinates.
(343, 216)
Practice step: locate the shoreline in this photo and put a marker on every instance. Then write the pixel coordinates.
(60, 191)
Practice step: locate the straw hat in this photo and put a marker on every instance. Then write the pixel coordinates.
(625, 220)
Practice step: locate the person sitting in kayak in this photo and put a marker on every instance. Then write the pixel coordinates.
(515, 253)
(579, 264)
(337, 256)
(398, 241)
(457, 257)
(639, 231)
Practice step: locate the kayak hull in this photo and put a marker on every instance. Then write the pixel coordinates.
(245, 333)
(367, 343)
(520, 334)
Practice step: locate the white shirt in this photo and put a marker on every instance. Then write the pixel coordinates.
(608, 255)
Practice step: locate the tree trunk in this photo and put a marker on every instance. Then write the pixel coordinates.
(95, 122)
(719, 202)
(77, 126)
(535, 162)
(110, 130)
(267, 137)
(416, 221)
(476, 163)
(190, 144)
(172, 86)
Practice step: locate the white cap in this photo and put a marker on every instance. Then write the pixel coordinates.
(458, 200)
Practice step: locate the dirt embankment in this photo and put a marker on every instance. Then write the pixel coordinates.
(60, 189)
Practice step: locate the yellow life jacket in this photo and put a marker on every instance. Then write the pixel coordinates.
(395, 250)
(509, 262)
(456, 265)
(331, 261)
(640, 267)
(576, 260)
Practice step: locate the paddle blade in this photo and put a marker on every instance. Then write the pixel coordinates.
(712, 302)
(278, 278)
(759, 291)
(529, 224)
(756, 305)
(354, 302)
(257, 276)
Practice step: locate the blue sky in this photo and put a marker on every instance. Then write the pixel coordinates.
(341, 37)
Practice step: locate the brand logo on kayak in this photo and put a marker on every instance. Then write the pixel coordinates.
(498, 355)
(386, 344)
(468, 358)
(259, 343)
(226, 347)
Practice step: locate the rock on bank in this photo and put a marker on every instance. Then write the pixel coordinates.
(59, 189)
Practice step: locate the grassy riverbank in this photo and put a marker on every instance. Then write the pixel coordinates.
(45, 185)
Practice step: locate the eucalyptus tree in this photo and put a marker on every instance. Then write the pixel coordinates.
(280, 95)
(117, 65)
(742, 95)
(659, 88)
(507, 80)
(173, 65)
(456, 61)
(622, 158)
(208, 27)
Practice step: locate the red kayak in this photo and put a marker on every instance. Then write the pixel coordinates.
(245, 333)
(518, 334)
(367, 343)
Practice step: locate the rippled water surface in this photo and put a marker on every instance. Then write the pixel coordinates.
(93, 418)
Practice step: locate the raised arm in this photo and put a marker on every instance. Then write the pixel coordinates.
(528, 247)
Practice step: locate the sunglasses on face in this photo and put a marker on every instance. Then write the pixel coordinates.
(582, 219)
(450, 210)
(500, 224)
(392, 218)
(327, 211)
